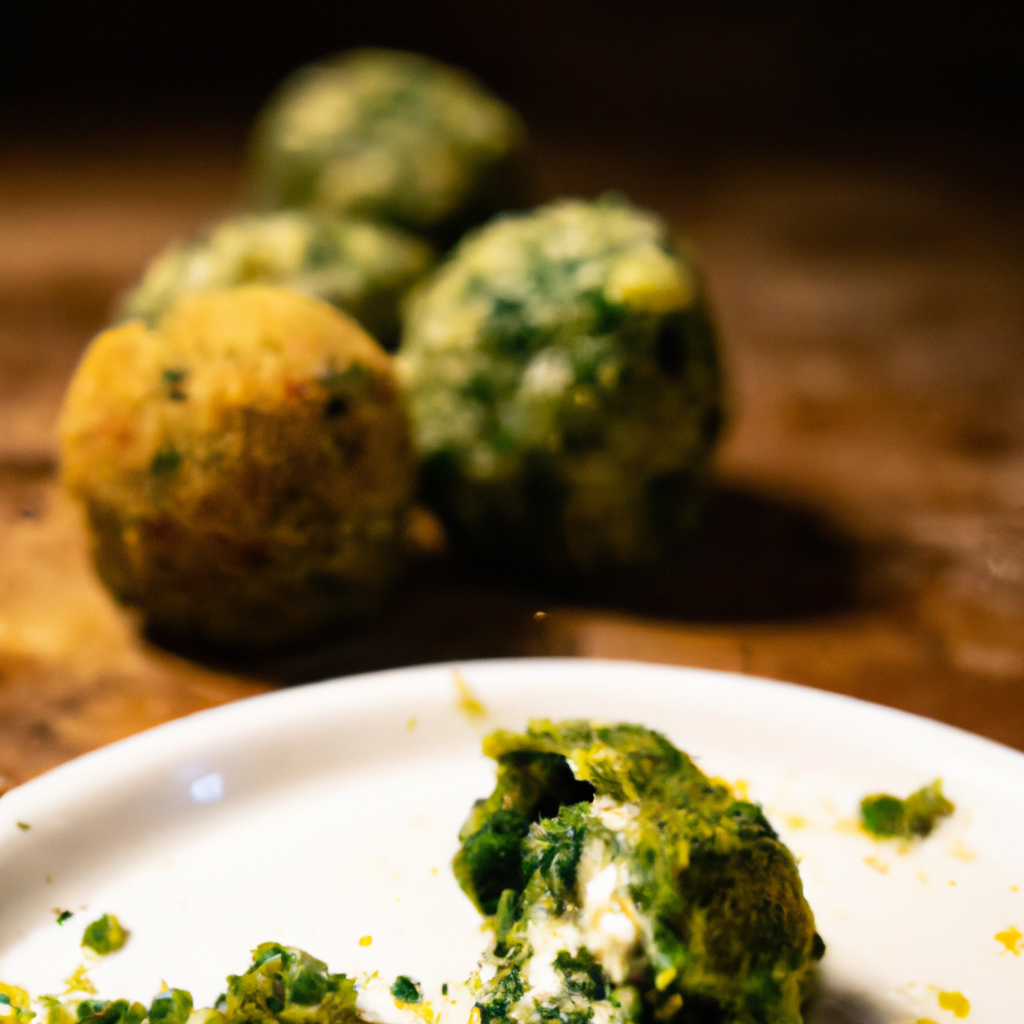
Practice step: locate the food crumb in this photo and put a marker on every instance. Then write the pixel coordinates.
(405, 990)
(24, 826)
(540, 615)
(794, 821)
(879, 865)
(955, 1001)
(962, 852)
(62, 915)
(888, 817)
(468, 703)
(79, 981)
(104, 935)
(411, 724)
(366, 940)
(1010, 938)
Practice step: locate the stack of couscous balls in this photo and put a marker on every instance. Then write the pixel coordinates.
(389, 326)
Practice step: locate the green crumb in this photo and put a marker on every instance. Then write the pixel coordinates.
(444, 989)
(171, 1007)
(888, 817)
(120, 1011)
(288, 985)
(63, 916)
(24, 826)
(165, 462)
(56, 1011)
(405, 990)
(173, 379)
(105, 935)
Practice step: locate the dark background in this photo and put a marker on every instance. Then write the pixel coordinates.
(699, 75)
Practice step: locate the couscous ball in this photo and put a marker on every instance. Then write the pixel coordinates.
(244, 466)
(390, 136)
(361, 267)
(564, 388)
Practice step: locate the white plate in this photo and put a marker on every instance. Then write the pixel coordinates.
(319, 815)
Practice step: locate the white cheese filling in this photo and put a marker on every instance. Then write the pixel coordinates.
(606, 921)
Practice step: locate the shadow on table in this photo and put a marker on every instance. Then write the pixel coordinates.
(753, 559)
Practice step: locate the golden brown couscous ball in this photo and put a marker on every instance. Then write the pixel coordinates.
(244, 465)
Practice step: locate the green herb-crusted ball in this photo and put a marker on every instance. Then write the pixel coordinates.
(564, 387)
(361, 267)
(626, 886)
(244, 466)
(391, 136)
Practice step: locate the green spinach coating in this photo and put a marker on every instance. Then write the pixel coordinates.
(390, 136)
(650, 893)
(362, 268)
(564, 388)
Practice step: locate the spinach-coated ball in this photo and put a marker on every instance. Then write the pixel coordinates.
(390, 136)
(358, 266)
(244, 466)
(564, 388)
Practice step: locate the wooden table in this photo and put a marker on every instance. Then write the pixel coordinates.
(867, 534)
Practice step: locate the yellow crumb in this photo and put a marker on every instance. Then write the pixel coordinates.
(879, 865)
(366, 940)
(741, 789)
(669, 1008)
(962, 852)
(665, 978)
(411, 724)
(468, 703)
(79, 981)
(1010, 939)
(956, 1002)
(794, 821)
(17, 997)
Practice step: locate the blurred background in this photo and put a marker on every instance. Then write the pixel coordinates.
(850, 175)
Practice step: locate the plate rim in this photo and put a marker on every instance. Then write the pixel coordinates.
(66, 781)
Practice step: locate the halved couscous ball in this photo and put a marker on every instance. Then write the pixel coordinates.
(244, 466)
(362, 268)
(625, 886)
(391, 136)
(564, 388)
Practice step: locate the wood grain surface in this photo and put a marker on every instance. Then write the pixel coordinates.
(866, 535)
